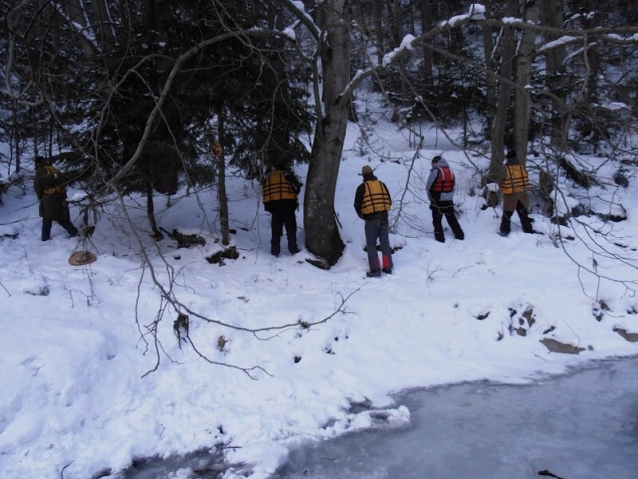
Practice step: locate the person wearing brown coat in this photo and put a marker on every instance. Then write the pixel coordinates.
(49, 188)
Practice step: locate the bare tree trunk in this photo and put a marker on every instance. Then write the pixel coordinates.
(103, 24)
(221, 183)
(522, 102)
(552, 13)
(322, 234)
(490, 80)
(397, 23)
(378, 29)
(508, 46)
(78, 17)
(426, 24)
(150, 211)
(592, 66)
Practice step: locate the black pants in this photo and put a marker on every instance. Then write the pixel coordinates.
(283, 217)
(445, 208)
(66, 224)
(506, 220)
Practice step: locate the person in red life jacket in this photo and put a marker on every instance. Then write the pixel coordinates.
(514, 188)
(49, 188)
(440, 188)
(372, 202)
(280, 191)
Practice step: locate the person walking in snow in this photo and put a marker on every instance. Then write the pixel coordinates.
(49, 188)
(440, 188)
(280, 191)
(514, 186)
(372, 202)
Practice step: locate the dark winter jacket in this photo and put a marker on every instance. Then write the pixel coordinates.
(372, 199)
(49, 188)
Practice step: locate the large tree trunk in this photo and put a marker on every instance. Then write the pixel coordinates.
(322, 234)
(426, 24)
(77, 19)
(508, 48)
(490, 80)
(104, 26)
(150, 211)
(592, 66)
(552, 12)
(397, 28)
(221, 183)
(522, 102)
(377, 8)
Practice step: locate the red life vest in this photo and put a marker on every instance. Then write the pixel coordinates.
(444, 182)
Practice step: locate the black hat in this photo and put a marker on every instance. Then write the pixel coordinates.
(40, 160)
(510, 154)
(436, 159)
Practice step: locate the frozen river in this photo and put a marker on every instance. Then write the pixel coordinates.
(581, 425)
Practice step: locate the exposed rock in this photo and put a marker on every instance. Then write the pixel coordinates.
(218, 258)
(626, 335)
(184, 240)
(319, 263)
(557, 347)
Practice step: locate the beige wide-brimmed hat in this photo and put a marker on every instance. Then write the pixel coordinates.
(80, 258)
(366, 170)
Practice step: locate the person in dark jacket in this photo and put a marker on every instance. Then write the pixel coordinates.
(372, 202)
(280, 192)
(49, 188)
(514, 188)
(440, 188)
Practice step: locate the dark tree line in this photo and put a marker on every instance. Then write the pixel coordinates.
(142, 90)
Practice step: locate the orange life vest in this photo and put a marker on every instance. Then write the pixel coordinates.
(515, 180)
(376, 198)
(444, 182)
(277, 187)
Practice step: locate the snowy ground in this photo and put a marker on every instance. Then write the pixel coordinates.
(83, 393)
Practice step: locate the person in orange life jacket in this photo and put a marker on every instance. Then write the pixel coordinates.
(440, 188)
(48, 185)
(372, 202)
(514, 188)
(280, 191)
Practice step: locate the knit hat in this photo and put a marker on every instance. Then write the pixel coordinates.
(436, 159)
(40, 160)
(510, 154)
(366, 170)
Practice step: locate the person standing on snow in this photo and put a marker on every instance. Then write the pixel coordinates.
(372, 202)
(49, 188)
(440, 188)
(514, 188)
(280, 191)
